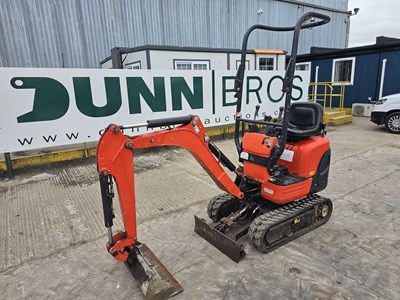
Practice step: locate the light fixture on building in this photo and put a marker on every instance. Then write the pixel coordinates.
(347, 21)
(354, 11)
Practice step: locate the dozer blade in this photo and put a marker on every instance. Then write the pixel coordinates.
(154, 279)
(223, 243)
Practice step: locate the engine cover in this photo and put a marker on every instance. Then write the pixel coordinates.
(302, 158)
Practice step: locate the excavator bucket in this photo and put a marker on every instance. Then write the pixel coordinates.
(222, 242)
(154, 279)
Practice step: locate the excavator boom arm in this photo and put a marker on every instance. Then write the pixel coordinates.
(115, 159)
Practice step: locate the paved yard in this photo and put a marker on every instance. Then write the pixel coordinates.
(53, 237)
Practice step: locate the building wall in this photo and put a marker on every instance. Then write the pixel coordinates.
(107, 64)
(367, 76)
(234, 57)
(165, 59)
(133, 57)
(365, 80)
(392, 74)
(217, 60)
(80, 33)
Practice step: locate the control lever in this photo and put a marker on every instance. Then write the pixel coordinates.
(267, 118)
(256, 112)
(280, 113)
(254, 127)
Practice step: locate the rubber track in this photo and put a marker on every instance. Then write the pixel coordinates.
(261, 224)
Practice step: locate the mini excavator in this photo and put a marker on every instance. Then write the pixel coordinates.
(273, 198)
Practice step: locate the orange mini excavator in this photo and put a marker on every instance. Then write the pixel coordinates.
(273, 198)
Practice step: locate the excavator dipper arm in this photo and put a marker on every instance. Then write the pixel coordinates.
(115, 161)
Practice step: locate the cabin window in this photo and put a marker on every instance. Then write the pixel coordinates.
(343, 70)
(266, 63)
(303, 66)
(134, 66)
(247, 64)
(191, 64)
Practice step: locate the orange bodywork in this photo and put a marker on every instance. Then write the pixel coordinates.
(303, 159)
(285, 194)
(261, 145)
(307, 155)
(115, 158)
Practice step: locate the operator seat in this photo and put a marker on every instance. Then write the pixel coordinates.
(306, 119)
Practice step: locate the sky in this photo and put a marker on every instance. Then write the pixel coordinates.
(375, 18)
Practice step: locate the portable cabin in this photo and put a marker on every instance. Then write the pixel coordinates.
(192, 58)
(368, 72)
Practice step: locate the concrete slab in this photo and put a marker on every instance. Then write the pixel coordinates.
(53, 237)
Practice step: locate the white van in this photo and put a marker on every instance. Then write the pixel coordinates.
(387, 111)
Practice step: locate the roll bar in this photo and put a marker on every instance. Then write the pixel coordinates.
(287, 82)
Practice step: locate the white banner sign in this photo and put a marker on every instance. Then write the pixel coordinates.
(52, 107)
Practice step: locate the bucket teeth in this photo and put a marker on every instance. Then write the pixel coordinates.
(154, 279)
(223, 243)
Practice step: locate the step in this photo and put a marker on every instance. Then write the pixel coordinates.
(328, 114)
(340, 120)
(334, 112)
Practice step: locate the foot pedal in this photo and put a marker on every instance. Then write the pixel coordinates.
(154, 279)
(226, 245)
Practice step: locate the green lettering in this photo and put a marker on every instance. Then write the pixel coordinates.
(295, 87)
(137, 87)
(256, 90)
(225, 91)
(269, 89)
(50, 102)
(84, 98)
(179, 87)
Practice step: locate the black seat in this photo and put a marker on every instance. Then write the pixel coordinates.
(306, 120)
